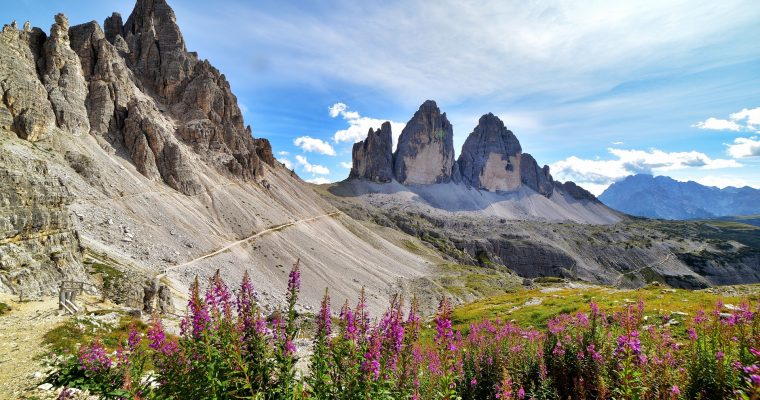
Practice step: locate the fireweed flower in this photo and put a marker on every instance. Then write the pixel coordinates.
(630, 342)
(93, 358)
(198, 318)
(246, 302)
(294, 282)
(324, 320)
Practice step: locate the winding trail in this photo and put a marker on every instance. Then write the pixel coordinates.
(245, 240)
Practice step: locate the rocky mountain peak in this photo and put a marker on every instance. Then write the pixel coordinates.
(372, 157)
(490, 156)
(425, 152)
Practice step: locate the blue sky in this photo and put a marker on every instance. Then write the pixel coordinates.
(597, 90)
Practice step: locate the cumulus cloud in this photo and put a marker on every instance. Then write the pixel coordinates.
(311, 168)
(288, 163)
(319, 180)
(595, 175)
(744, 147)
(750, 116)
(282, 153)
(721, 181)
(346, 164)
(359, 126)
(746, 119)
(307, 143)
(716, 124)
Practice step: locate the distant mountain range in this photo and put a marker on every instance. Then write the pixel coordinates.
(663, 197)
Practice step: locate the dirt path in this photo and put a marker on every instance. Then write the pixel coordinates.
(245, 240)
(21, 332)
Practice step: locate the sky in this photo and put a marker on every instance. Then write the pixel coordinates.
(598, 90)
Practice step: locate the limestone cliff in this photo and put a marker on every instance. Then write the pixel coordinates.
(38, 244)
(372, 157)
(491, 156)
(425, 151)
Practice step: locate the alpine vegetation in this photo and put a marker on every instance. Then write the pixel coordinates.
(227, 349)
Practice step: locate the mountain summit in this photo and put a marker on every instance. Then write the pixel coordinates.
(491, 160)
(663, 197)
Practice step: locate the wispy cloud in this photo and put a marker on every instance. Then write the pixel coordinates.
(565, 48)
(307, 143)
(345, 164)
(359, 126)
(595, 175)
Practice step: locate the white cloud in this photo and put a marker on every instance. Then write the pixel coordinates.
(311, 144)
(359, 126)
(721, 181)
(750, 116)
(288, 163)
(596, 175)
(336, 109)
(345, 164)
(617, 143)
(746, 119)
(311, 168)
(282, 153)
(744, 147)
(718, 125)
(319, 180)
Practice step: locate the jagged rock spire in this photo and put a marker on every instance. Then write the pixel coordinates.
(425, 151)
(372, 157)
(490, 156)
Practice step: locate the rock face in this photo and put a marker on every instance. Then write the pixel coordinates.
(133, 87)
(535, 177)
(425, 152)
(25, 108)
(38, 245)
(63, 79)
(146, 95)
(372, 157)
(492, 159)
(490, 156)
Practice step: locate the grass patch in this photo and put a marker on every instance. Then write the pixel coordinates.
(535, 307)
(469, 280)
(109, 274)
(4, 308)
(68, 336)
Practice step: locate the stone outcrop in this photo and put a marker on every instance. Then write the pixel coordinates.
(63, 79)
(38, 244)
(576, 191)
(490, 156)
(425, 151)
(24, 108)
(195, 93)
(372, 157)
(535, 177)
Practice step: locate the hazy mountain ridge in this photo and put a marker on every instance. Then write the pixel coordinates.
(663, 197)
